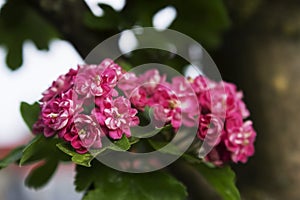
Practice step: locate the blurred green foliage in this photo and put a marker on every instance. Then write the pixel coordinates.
(203, 20)
(19, 23)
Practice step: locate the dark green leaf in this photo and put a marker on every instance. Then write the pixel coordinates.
(41, 148)
(84, 178)
(191, 159)
(112, 184)
(18, 23)
(30, 113)
(206, 26)
(41, 175)
(221, 179)
(165, 147)
(109, 20)
(12, 157)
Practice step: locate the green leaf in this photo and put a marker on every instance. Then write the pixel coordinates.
(191, 159)
(12, 157)
(221, 179)
(41, 148)
(211, 22)
(41, 175)
(84, 178)
(112, 184)
(66, 148)
(122, 144)
(85, 159)
(30, 113)
(165, 147)
(80, 159)
(18, 22)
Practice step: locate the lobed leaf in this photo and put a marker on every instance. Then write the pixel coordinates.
(112, 184)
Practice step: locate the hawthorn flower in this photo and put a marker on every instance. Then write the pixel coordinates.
(219, 155)
(175, 103)
(62, 84)
(129, 83)
(74, 139)
(120, 117)
(57, 113)
(239, 142)
(151, 79)
(139, 98)
(84, 133)
(89, 131)
(97, 80)
(83, 106)
(210, 129)
(221, 121)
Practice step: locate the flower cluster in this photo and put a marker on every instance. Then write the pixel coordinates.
(171, 102)
(223, 121)
(86, 104)
(82, 106)
(217, 106)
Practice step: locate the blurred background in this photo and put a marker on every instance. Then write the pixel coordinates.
(255, 44)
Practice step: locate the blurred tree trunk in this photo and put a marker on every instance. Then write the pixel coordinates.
(263, 56)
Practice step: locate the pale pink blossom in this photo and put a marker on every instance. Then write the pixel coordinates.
(88, 130)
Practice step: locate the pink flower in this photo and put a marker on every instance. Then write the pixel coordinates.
(234, 121)
(120, 117)
(240, 141)
(38, 127)
(84, 134)
(62, 84)
(150, 80)
(97, 80)
(102, 103)
(88, 130)
(109, 64)
(201, 84)
(175, 103)
(139, 98)
(73, 137)
(219, 155)
(210, 129)
(187, 100)
(129, 83)
(165, 104)
(57, 113)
